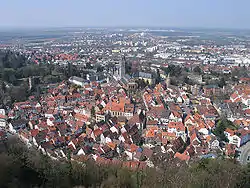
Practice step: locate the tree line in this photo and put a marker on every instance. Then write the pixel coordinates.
(21, 167)
(16, 69)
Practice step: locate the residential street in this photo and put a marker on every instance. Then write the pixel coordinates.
(245, 153)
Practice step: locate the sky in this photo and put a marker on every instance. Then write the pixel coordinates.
(125, 13)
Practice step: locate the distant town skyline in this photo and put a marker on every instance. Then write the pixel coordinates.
(129, 13)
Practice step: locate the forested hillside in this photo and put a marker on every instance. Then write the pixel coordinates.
(21, 167)
(15, 69)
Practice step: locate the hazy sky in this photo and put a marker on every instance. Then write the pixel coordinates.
(177, 13)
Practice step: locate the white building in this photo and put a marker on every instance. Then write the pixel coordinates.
(77, 81)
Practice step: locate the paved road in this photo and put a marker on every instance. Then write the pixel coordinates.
(245, 153)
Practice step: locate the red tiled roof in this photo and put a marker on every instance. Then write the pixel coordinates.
(2, 133)
(133, 147)
(152, 122)
(150, 133)
(231, 132)
(176, 114)
(247, 111)
(238, 100)
(97, 132)
(193, 136)
(81, 117)
(2, 116)
(244, 79)
(111, 145)
(178, 125)
(234, 95)
(182, 157)
(34, 132)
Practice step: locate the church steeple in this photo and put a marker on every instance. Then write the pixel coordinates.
(122, 67)
(168, 80)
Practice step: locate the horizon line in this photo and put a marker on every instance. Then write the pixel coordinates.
(122, 27)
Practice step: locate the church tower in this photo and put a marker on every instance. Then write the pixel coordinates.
(122, 67)
(168, 80)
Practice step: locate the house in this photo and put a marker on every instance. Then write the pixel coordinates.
(177, 144)
(137, 155)
(244, 137)
(234, 140)
(3, 135)
(18, 124)
(244, 80)
(49, 113)
(210, 124)
(40, 138)
(147, 153)
(189, 121)
(151, 123)
(177, 128)
(203, 130)
(230, 150)
(132, 86)
(159, 114)
(234, 97)
(2, 112)
(164, 139)
(137, 120)
(165, 116)
(195, 78)
(147, 77)
(77, 81)
(128, 110)
(190, 151)
(120, 107)
(121, 120)
(185, 99)
(182, 157)
(100, 116)
(232, 137)
(195, 139)
(213, 143)
(46, 148)
(175, 116)
(150, 134)
(34, 133)
(211, 90)
(25, 136)
(3, 121)
(247, 113)
(171, 136)
(179, 99)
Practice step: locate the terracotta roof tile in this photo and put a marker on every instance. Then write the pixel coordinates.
(97, 132)
(111, 145)
(182, 157)
(150, 133)
(3, 116)
(34, 132)
(133, 147)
